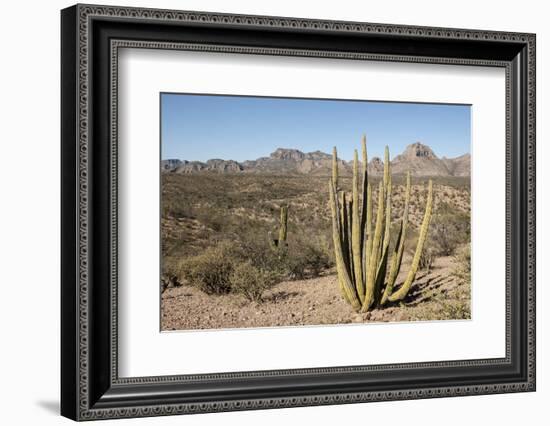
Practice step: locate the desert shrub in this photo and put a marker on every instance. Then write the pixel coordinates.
(307, 260)
(302, 256)
(210, 271)
(169, 281)
(463, 259)
(449, 228)
(307, 257)
(169, 276)
(251, 281)
(212, 219)
(426, 258)
(258, 251)
(215, 270)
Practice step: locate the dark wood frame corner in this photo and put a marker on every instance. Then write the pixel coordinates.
(90, 38)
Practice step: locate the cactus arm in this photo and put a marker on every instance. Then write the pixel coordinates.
(343, 290)
(400, 245)
(344, 211)
(341, 221)
(380, 276)
(344, 233)
(386, 165)
(404, 289)
(388, 217)
(364, 189)
(375, 252)
(335, 168)
(381, 266)
(349, 209)
(395, 265)
(387, 181)
(343, 216)
(343, 275)
(357, 232)
(368, 233)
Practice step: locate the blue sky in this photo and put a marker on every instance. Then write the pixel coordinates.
(200, 127)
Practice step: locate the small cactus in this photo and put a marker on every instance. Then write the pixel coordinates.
(362, 254)
(283, 225)
(280, 242)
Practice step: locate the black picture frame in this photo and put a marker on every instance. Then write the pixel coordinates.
(90, 386)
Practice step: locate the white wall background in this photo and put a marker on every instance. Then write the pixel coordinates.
(29, 211)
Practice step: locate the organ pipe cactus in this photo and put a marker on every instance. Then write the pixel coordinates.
(367, 273)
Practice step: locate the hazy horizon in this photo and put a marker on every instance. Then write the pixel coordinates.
(202, 127)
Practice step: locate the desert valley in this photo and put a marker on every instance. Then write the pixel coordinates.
(221, 217)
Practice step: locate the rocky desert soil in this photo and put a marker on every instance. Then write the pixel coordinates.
(435, 295)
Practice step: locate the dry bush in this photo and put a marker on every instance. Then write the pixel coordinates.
(302, 257)
(307, 257)
(449, 228)
(210, 271)
(463, 269)
(259, 252)
(170, 275)
(426, 258)
(216, 269)
(251, 281)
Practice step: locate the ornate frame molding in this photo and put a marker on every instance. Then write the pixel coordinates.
(80, 19)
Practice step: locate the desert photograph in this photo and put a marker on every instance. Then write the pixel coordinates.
(280, 212)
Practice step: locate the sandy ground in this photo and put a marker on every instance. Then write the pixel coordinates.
(436, 295)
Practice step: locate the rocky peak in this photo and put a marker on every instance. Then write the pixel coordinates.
(417, 150)
(375, 165)
(318, 155)
(287, 154)
(219, 165)
(418, 159)
(170, 164)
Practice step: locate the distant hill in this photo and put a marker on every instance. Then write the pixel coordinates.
(417, 158)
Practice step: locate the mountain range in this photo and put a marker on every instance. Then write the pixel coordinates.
(417, 158)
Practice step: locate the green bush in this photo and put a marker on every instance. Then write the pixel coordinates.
(210, 271)
(251, 281)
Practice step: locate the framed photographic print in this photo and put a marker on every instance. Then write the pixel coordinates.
(263, 212)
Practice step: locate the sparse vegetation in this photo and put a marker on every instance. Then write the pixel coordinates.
(463, 260)
(307, 258)
(210, 271)
(426, 259)
(216, 248)
(215, 270)
(251, 281)
(449, 229)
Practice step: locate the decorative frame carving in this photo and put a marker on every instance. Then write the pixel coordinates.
(85, 396)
